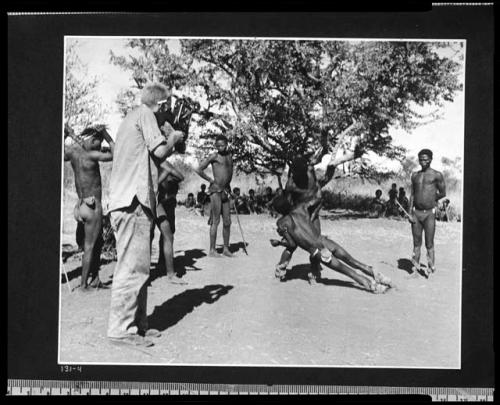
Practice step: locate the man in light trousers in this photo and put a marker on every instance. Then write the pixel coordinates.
(140, 147)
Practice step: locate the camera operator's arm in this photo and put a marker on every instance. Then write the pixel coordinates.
(156, 143)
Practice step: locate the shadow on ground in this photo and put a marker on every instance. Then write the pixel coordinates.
(406, 265)
(177, 307)
(300, 272)
(234, 247)
(182, 263)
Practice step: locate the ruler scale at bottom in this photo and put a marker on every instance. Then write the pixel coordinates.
(67, 387)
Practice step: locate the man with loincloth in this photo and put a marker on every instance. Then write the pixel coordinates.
(219, 192)
(302, 186)
(85, 153)
(297, 228)
(168, 187)
(427, 188)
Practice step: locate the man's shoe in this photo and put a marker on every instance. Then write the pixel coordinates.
(132, 340)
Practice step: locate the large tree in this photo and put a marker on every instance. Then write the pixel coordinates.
(277, 98)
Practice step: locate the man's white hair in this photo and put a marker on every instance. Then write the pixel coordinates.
(152, 93)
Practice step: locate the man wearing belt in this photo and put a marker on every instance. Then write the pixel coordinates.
(140, 147)
(84, 152)
(427, 188)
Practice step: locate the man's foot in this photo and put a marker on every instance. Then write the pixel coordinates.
(377, 288)
(173, 279)
(85, 289)
(280, 272)
(382, 279)
(312, 279)
(132, 340)
(152, 333)
(432, 269)
(213, 253)
(98, 284)
(227, 253)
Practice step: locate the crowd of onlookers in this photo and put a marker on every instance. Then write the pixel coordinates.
(398, 201)
(241, 203)
(260, 203)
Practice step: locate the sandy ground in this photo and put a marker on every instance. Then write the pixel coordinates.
(233, 311)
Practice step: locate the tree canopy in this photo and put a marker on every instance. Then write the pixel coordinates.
(276, 99)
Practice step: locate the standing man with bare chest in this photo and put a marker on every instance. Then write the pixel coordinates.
(427, 187)
(219, 192)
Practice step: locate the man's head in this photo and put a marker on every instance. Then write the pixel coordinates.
(394, 186)
(298, 169)
(236, 191)
(221, 143)
(378, 193)
(282, 205)
(425, 158)
(251, 192)
(402, 191)
(203, 187)
(269, 191)
(446, 202)
(91, 138)
(190, 196)
(154, 95)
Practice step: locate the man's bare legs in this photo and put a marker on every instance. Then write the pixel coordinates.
(370, 285)
(92, 218)
(167, 248)
(340, 253)
(226, 228)
(430, 230)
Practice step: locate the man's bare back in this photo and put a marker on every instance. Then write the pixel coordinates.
(87, 173)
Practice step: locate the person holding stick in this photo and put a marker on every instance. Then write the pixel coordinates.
(427, 188)
(85, 153)
(219, 192)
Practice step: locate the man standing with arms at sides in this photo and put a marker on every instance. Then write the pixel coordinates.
(219, 192)
(427, 188)
(85, 153)
(140, 148)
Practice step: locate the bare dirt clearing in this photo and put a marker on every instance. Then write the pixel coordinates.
(233, 311)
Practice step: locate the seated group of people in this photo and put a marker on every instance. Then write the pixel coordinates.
(378, 207)
(241, 203)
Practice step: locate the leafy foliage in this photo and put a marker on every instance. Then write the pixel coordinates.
(276, 99)
(82, 107)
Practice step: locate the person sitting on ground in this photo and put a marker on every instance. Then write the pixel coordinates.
(253, 202)
(190, 203)
(392, 209)
(403, 200)
(377, 206)
(446, 212)
(85, 152)
(297, 229)
(240, 202)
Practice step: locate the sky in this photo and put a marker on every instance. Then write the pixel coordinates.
(445, 136)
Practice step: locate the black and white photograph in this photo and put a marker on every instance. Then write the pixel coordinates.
(238, 201)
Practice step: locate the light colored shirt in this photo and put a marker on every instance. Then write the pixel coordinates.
(134, 172)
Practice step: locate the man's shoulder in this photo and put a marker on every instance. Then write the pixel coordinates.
(436, 173)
